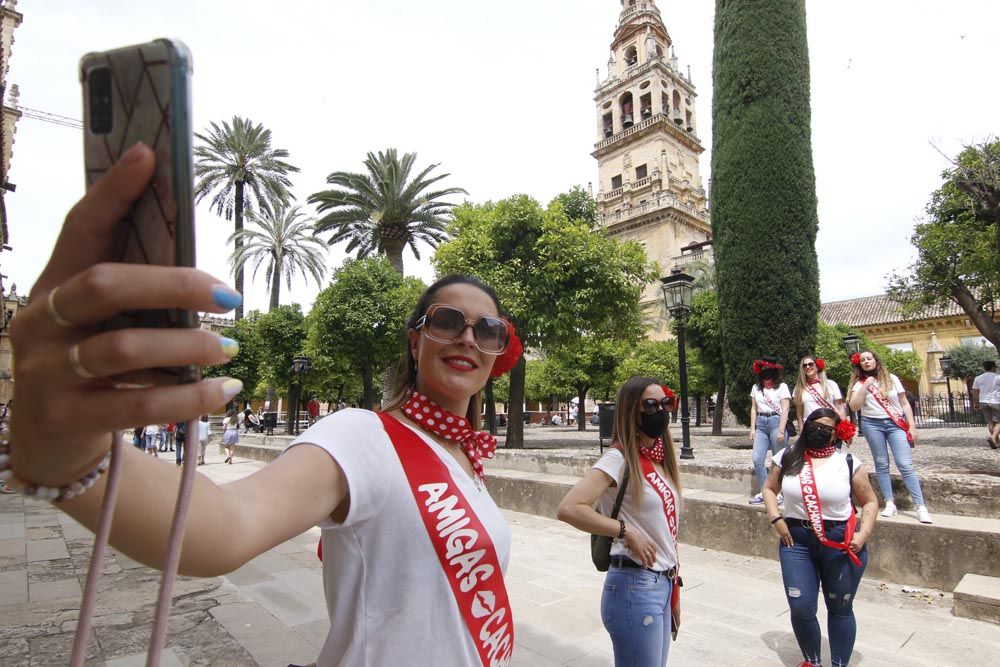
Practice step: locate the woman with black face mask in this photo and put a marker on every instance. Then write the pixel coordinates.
(640, 600)
(822, 539)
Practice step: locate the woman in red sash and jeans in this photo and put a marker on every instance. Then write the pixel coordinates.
(822, 539)
(415, 546)
(887, 424)
(639, 593)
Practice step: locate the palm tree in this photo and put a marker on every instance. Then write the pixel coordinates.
(284, 242)
(384, 210)
(238, 168)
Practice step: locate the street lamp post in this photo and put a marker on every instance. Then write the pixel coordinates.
(678, 289)
(852, 345)
(300, 366)
(946, 369)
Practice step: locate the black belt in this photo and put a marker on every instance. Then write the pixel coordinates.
(766, 414)
(622, 561)
(827, 523)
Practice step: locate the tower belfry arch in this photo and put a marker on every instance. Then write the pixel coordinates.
(647, 150)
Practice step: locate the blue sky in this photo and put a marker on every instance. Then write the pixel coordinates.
(501, 94)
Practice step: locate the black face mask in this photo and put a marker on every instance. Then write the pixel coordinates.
(816, 438)
(654, 424)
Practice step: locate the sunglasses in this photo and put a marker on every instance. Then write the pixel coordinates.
(445, 324)
(809, 364)
(651, 406)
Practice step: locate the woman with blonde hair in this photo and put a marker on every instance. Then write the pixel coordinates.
(814, 391)
(639, 603)
(887, 424)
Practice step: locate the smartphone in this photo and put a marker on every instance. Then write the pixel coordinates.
(142, 93)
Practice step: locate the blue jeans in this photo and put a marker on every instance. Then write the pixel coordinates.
(765, 437)
(151, 440)
(180, 448)
(804, 566)
(635, 610)
(883, 435)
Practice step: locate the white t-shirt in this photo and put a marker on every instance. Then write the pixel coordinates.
(153, 429)
(832, 480)
(649, 518)
(769, 400)
(809, 402)
(387, 596)
(873, 408)
(986, 383)
(203, 429)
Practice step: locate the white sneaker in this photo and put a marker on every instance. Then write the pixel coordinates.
(890, 509)
(923, 515)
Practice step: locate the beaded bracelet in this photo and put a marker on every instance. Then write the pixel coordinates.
(621, 531)
(50, 493)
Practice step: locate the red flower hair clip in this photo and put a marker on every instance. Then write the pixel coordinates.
(511, 355)
(760, 365)
(667, 391)
(820, 364)
(856, 359)
(846, 430)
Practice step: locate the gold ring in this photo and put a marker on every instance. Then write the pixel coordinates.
(50, 305)
(76, 365)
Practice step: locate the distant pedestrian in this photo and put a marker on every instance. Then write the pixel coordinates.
(137, 439)
(769, 403)
(204, 429)
(986, 397)
(230, 434)
(639, 602)
(814, 391)
(180, 437)
(312, 407)
(171, 432)
(821, 538)
(887, 423)
(152, 435)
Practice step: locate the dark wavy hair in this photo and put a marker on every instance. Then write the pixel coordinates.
(795, 456)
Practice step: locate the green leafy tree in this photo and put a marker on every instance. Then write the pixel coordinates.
(239, 169)
(764, 218)
(651, 358)
(282, 334)
(282, 241)
(703, 335)
(245, 366)
(967, 362)
(386, 209)
(586, 363)
(559, 278)
(361, 318)
(958, 246)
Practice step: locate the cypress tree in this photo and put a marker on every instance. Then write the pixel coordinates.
(764, 217)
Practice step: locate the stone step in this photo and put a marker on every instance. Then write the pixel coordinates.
(978, 597)
(902, 550)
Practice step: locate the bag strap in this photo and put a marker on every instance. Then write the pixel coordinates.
(850, 480)
(621, 494)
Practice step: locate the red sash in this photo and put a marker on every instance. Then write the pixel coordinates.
(814, 510)
(894, 413)
(462, 544)
(666, 495)
(819, 397)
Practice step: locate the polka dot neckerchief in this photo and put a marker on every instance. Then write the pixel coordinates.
(654, 453)
(432, 418)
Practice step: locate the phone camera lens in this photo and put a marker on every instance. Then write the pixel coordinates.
(99, 95)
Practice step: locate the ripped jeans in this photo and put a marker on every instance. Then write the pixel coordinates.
(804, 566)
(635, 610)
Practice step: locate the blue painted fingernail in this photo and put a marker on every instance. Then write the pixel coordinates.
(230, 347)
(225, 297)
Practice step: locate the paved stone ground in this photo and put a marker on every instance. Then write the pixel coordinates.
(946, 451)
(271, 611)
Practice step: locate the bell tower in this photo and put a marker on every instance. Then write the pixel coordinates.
(647, 145)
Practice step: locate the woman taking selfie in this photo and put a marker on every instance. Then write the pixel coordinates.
(369, 480)
(821, 538)
(769, 401)
(814, 391)
(887, 424)
(636, 603)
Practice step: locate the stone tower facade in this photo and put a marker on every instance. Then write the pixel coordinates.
(647, 152)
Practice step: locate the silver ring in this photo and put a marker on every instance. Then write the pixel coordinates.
(76, 365)
(50, 305)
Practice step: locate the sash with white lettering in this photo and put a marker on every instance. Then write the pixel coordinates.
(467, 554)
(814, 510)
(895, 414)
(819, 397)
(666, 495)
(774, 408)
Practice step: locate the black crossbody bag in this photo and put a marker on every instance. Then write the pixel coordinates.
(600, 545)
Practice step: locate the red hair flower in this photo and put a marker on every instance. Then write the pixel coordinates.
(511, 355)
(846, 430)
(760, 365)
(856, 359)
(820, 364)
